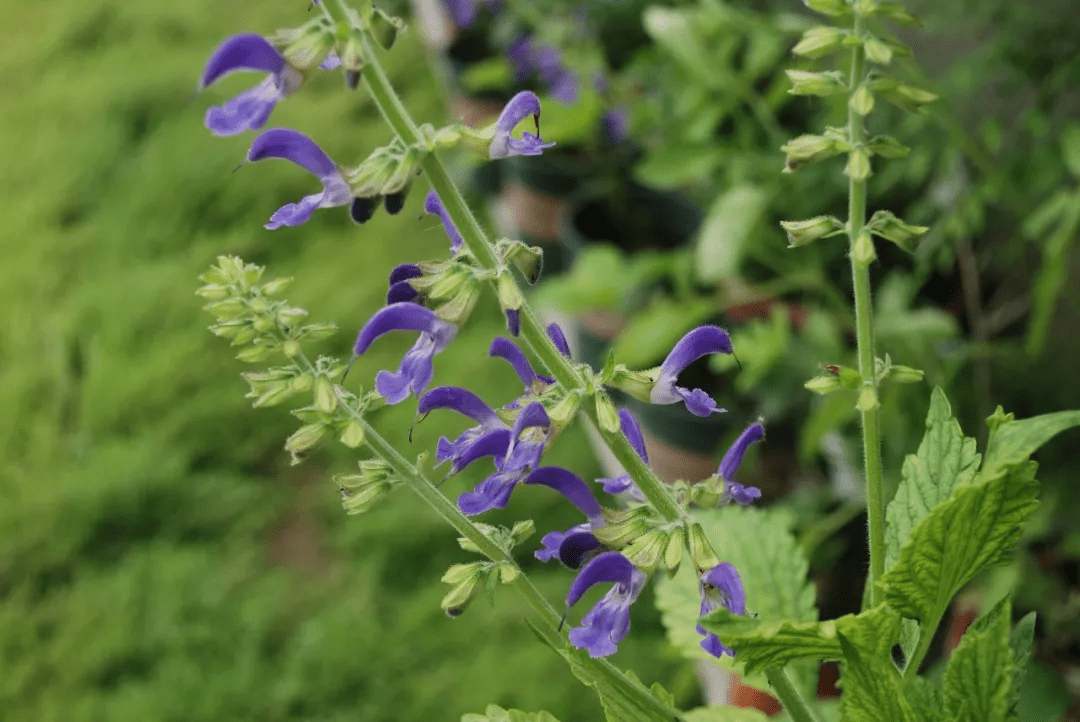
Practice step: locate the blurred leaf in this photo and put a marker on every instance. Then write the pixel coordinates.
(678, 165)
(653, 331)
(728, 225)
(1070, 148)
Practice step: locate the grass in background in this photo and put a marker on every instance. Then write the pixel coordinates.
(159, 559)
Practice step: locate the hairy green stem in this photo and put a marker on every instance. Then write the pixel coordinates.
(790, 697)
(926, 638)
(532, 331)
(420, 485)
(864, 329)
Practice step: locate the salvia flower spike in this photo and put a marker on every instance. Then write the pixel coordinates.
(295, 147)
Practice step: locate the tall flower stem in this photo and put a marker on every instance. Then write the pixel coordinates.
(532, 331)
(551, 620)
(789, 695)
(864, 328)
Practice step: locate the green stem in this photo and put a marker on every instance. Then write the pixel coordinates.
(420, 485)
(532, 331)
(864, 329)
(793, 701)
(926, 638)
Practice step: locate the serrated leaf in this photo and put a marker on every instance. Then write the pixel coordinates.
(945, 459)
(974, 530)
(724, 713)
(873, 689)
(727, 226)
(978, 683)
(773, 569)
(1014, 441)
(759, 644)
(925, 698)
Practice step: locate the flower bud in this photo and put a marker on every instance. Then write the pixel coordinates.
(606, 414)
(877, 52)
(819, 83)
(904, 374)
(634, 383)
(802, 232)
(510, 298)
(819, 41)
(891, 228)
(565, 410)
(810, 149)
(466, 578)
(325, 400)
(858, 165)
(862, 251)
(645, 551)
(868, 399)
(700, 550)
(673, 553)
(622, 527)
(353, 434)
(862, 100)
(308, 48)
(304, 438)
(385, 28)
(823, 384)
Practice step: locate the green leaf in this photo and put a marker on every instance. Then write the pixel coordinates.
(925, 698)
(873, 689)
(759, 644)
(1070, 148)
(760, 545)
(494, 713)
(973, 530)
(1012, 442)
(945, 460)
(674, 31)
(723, 713)
(978, 683)
(678, 164)
(722, 239)
(1021, 640)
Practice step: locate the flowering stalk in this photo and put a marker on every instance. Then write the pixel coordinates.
(864, 329)
(532, 331)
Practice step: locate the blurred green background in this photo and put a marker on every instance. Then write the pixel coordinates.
(159, 558)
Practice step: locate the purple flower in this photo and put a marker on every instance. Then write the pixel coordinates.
(332, 61)
(433, 205)
(523, 450)
(697, 343)
(401, 291)
(513, 321)
(297, 148)
(251, 109)
(615, 125)
(477, 440)
(572, 547)
(507, 350)
(573, 488)
(516, 110)
(733, 459)
(561, 82)
(607, 623)
(720, 586)
(415, 371)
(623, 483)
(520, 54)
(462, 12)
(558, 338)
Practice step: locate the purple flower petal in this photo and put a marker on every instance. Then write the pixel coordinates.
(513, 321)
(433, 205)
(332, 61)
(247, 51)
(492, 493)
(494, 443)
(520, 54)
(572, 487)
(607, 623)
(695, 344)
(632, 432)
(615, 125)
(404, 272)
(248, 111)
(720, 586)
(577, 547)
(740, 494)
(558, 338)
(404, 317)
(462, 12)
(413, 375)
(553, 540)
(517, 109)
(295, 147)
(733, 458)
(461, 400)
(506, 349)
(402, 292)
